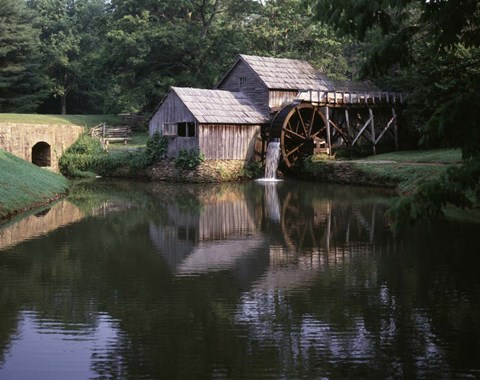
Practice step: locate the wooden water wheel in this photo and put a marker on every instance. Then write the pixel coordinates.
(297, 126)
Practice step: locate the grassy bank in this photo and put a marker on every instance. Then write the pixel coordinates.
(83, 120)
(402, 170)
(24, 185)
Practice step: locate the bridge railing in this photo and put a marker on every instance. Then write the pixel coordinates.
(350, 98)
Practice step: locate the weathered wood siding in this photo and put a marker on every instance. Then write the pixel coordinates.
(225, 219)
(228, 142)
(254, 88)
(172, 110)
(279, 97)
(176, 144)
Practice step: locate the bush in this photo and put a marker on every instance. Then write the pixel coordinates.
(189, 159)
(79, 158)
(86, 157)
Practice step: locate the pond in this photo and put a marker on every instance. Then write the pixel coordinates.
(235, 281)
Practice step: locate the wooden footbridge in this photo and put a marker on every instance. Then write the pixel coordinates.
(318, 121)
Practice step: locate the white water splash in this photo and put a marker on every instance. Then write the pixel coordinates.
(272, 159)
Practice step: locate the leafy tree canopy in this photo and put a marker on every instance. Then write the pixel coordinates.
(430, 49)
(22, 84)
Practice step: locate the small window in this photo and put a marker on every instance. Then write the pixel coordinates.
(169, 129)
(182, 129)
(186, 129)
(191, 129)
(242, 81)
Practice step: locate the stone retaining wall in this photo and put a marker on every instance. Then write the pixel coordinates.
(22, 139)
(207, 171)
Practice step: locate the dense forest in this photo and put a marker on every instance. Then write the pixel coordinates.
(110, 56)
(107, 56)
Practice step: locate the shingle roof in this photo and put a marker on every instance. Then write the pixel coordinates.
(219, 107)
(287, 74)
(347, 85)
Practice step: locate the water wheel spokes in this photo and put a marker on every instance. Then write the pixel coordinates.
(297, 125)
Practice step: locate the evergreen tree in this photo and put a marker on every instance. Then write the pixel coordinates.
(22, 84)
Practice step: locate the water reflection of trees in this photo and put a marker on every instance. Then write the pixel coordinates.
(348, 301)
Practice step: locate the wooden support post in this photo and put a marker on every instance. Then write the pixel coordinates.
(347, 123)
(395, 129)
(361, 131)
(372, 125)
(329, 140)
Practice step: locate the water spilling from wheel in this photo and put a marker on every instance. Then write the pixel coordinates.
(272, 159)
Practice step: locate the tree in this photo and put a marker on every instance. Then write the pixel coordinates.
(430, 49)
(72, 38)
(22, 84)
(286, 28)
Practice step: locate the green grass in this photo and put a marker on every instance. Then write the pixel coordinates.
(407, 177)
(24, 185)
(139, 140)
(440, 156)
(410, 167)
(83, 120)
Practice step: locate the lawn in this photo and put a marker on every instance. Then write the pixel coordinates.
(440, 156)
(83, 120)
(139, 140)
(24, 185)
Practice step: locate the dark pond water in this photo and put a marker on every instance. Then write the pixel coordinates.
(239, 281)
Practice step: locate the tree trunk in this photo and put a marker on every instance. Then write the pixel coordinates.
(63, 99)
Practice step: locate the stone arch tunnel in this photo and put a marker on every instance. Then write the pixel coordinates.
(41, 144)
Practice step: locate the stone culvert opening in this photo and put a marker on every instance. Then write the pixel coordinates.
(41, 154)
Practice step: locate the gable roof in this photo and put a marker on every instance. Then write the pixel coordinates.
(219, 107)
(284, 73)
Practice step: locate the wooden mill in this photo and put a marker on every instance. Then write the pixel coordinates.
(261, 99)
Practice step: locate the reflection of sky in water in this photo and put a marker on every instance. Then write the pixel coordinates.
(53, 350)
(306, 339)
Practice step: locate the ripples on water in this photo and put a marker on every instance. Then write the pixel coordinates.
(261, 280)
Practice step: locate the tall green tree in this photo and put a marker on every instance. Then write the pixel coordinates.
(22, 83)
(72, 38)
(430, 49)
(286, 28)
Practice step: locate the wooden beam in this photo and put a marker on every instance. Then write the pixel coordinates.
(385, 129)
(347, 122)
(372, 124)
(329, 140)
(361, 131)
(395, 128)
(337, 128)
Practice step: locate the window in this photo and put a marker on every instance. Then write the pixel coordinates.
(169, 129)
(186, 129)
(242, 81)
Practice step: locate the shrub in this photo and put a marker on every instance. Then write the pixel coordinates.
(86, 157)
(189, 159)
(78, 159)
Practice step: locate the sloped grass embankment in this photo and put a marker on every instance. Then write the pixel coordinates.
(402, 170)
(24, 185)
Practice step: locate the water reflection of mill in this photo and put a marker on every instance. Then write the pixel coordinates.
(294, 234)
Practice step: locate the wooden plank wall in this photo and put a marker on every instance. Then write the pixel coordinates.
(225, 219)
(228, 142)
(254, 89)
(277, 97)
(175, 144)
(172, 110)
